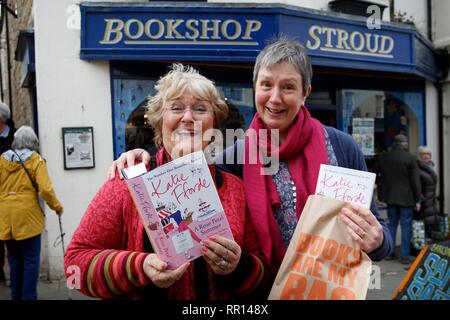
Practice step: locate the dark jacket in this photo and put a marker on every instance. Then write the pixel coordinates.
(5, 143)
(399, 177)
(428, 205)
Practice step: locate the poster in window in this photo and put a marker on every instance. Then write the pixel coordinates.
(363, 133)
(78, 143)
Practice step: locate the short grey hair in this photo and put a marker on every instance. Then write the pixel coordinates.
(5, 113)
(25, 138)
(423, 149)
(284, 49)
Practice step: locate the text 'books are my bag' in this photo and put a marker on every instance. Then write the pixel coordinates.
(322, 261)
(179, 207)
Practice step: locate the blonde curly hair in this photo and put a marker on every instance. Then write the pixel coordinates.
(173, 85)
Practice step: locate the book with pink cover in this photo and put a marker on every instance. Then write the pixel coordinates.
(179, 207)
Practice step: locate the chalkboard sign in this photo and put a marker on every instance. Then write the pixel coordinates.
(429, 276)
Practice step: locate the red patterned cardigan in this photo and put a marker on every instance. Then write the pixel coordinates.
(108, 248)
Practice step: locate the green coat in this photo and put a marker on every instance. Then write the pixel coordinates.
(399, 178)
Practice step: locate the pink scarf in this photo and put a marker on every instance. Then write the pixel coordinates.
(303, 150)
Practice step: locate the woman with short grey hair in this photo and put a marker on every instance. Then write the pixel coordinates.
(24, 177)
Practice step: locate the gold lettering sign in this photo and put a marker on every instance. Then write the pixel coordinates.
(181, 31)
(355, 42)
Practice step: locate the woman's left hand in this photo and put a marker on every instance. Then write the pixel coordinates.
(222, 254)
(363, 227)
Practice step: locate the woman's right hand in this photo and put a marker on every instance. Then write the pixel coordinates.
(156, 270)
(128, 158)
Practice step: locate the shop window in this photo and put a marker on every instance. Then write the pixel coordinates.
(321, 106)
(239, 98)
(232, 93)
(373, 118)
(235, 118)
(138, 132)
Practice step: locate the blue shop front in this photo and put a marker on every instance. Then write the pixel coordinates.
(367, 82)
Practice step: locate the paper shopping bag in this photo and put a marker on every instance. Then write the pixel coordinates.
(322, 261)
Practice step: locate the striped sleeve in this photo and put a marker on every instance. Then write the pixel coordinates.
(113, 273)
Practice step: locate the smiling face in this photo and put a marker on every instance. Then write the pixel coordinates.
(184, 122)
(279, 96)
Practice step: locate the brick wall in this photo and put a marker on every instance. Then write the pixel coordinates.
(21, 98)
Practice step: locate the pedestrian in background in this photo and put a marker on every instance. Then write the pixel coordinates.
(400, 189)
(6, 137)
(429, 211)
(24, 177)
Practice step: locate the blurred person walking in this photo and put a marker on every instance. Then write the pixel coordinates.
(23, 178)
(400, 190)
(429, 211)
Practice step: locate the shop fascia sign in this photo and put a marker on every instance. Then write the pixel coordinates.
(181, 31)
(355, 42)
(238, 32)
(214, 33)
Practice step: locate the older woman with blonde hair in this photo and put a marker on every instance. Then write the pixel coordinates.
(110, 246)
(23, 176)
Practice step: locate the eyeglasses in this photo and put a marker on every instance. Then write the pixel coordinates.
(197, 110)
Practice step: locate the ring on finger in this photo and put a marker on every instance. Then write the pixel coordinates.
(222, 264)
(225, 252)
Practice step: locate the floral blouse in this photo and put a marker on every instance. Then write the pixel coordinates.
(285, 215)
